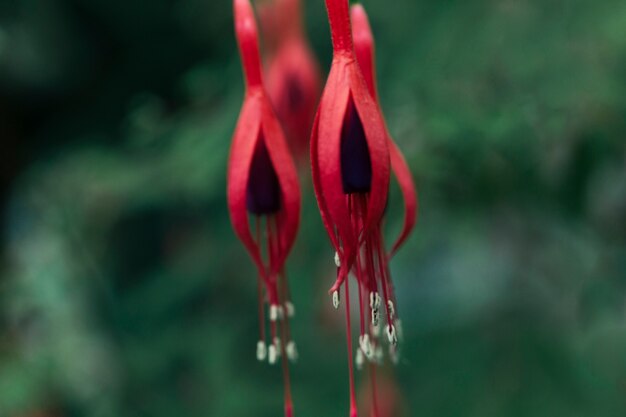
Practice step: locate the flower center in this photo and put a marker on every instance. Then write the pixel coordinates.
(356, 166)
(263, 196)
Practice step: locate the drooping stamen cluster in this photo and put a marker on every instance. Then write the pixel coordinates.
(263, 190)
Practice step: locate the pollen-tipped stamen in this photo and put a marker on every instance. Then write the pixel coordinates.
(261, 351)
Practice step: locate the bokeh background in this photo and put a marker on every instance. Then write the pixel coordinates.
(124, 292)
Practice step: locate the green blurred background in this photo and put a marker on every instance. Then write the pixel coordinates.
(124, 292)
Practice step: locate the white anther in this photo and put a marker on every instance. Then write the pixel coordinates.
(261, 350)
(392, 310)
(291, 309)
(391, 334)
(375, 306)
(375, 317)
(366, 345)
(374, 300)
(379, 355)
(336, 299)
(337, 260)
(281, 313)
(359, 360)
(277, 344)
(292, 351)
(272, 356)
(273, 312)
(399, 330)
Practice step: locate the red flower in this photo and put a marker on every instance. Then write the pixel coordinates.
(293, 79)
(364, 48)
(263, 188)
(351, 168)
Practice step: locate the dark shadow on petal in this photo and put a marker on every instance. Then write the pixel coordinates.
(295, 93)
(263, 196)
(356, 165)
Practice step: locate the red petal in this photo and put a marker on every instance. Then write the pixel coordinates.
(364, 48)
(247, 37)
(339, 18)
(376, 136)
(241, 152)
(407, 187)
(326, 168)
(289, 214)
(294, 68)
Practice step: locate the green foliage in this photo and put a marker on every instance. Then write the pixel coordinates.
(126, 292)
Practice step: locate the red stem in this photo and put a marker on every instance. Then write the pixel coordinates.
(247, 37)
(339, 18)
(364, 47)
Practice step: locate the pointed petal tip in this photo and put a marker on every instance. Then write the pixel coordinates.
(247, 38)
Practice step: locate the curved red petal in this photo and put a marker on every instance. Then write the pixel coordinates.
(326, 166)
(364, 47)
(289, 214)
(242, 149)
(376, 137)
(293, 85)
(407, 187)
(247, 38)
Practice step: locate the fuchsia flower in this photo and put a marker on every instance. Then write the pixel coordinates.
(350, 160)
(364, 49)
(293, 79)
(263, 189)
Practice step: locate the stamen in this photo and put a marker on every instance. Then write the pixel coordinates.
(353, 407)
(391, 309)
(292, 351)
(291, 309)
(272, 356)
(391, 334)
(277, 344)
(274, 312)
(375, 306)
(366, 346)
(337, 260)
(359, 359)
(336, 299)
(261, 351)
(399, 331)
